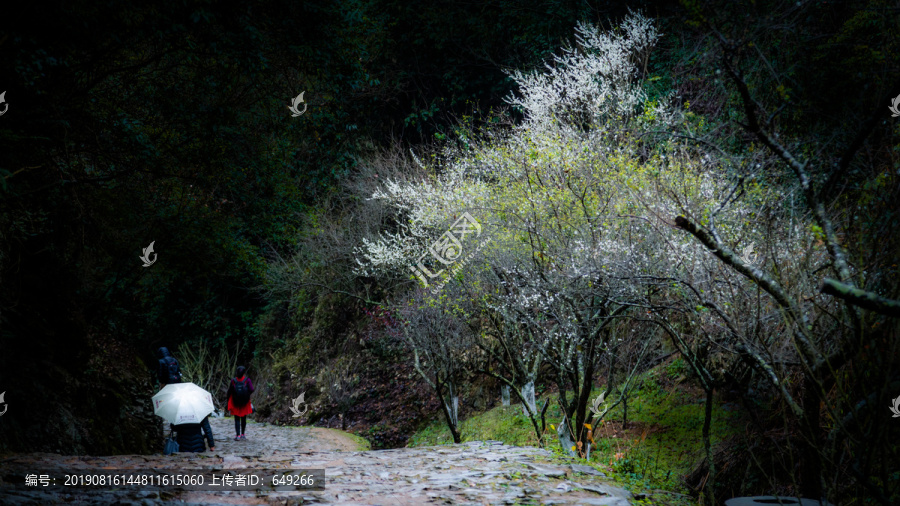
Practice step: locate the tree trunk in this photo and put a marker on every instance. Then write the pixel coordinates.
(528, 395)
(565, 441)
(448, 416)
(563, 398)
(454, 408)
(505, 391)
(529, 407)
(584, 398)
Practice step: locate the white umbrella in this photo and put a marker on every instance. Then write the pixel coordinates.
(182, 403)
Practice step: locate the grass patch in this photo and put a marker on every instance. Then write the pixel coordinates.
(659, 447)
(502, 423)
(362, 443)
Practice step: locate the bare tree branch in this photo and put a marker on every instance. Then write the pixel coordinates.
(861, 298)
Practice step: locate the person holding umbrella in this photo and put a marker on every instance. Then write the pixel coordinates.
(186, 406)
(190, 436)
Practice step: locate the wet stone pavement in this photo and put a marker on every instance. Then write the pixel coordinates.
(475, 473)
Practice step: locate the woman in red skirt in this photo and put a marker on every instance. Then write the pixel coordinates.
(239, 401)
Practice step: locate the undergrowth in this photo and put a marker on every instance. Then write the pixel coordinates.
(662, 443)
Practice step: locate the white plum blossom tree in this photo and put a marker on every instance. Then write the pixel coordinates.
(577, 199)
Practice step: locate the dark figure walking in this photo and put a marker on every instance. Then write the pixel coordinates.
(190, 436)
(239, 401)
(168, 370)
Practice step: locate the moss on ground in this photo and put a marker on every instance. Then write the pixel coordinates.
(363, 443)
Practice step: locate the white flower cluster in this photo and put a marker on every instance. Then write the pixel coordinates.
(595, 82)
(426, 207)
(590, 81)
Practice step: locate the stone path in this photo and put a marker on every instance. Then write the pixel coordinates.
(476, 473)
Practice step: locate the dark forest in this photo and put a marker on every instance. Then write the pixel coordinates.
(657, 238)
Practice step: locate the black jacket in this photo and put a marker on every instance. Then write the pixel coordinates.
(190, 436)
(162, 370)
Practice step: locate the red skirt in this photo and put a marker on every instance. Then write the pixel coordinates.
(239, 410)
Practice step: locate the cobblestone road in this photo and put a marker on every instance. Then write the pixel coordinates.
(476, 473)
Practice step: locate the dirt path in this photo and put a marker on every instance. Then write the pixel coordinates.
(264, 438)
(472, 473)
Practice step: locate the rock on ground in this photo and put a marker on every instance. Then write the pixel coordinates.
(477, 473)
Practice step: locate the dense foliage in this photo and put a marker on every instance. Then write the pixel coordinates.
(581, 189)
(612, 215)
(131, 123)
